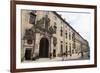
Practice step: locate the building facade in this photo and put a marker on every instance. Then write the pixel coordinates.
(45, 34)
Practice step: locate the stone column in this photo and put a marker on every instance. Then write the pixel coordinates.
(36, 45)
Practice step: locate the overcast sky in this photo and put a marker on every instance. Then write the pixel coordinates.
(79, 21)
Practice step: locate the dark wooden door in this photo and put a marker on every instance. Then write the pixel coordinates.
(44, 46)
(28, 54)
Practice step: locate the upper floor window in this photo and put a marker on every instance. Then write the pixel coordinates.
(32, 18)
(73, 36)
(66, 47)
(61, 32)
(69, 36)
(61, 42)
(66, 34)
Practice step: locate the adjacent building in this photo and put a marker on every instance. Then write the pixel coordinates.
(45, 34)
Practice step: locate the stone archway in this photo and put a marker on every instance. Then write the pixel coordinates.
(44, 48)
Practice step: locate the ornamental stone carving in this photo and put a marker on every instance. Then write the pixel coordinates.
(40, 23)
(28, 34)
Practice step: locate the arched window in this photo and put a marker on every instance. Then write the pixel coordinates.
(66, 34)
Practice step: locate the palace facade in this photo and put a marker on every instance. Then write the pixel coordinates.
(45, 34)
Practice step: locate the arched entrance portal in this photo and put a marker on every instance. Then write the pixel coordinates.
(44, 48)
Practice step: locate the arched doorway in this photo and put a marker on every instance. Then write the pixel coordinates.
(44, 48)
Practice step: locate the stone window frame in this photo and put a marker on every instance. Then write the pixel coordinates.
(31, 17)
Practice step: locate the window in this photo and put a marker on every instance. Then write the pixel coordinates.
(66, 34)
(73, 36)
(70, 48)
(32, 18)
(66, 48)
(61, 42)
(69, 36)
(76, 51)
(29, 41)
(61, 31)
(73, 51)
(61, 50)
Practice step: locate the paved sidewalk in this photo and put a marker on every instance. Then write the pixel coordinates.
(73, 57)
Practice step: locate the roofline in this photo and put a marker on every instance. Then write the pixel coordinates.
(68, 24)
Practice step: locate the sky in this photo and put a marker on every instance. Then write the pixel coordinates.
(80, 21)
